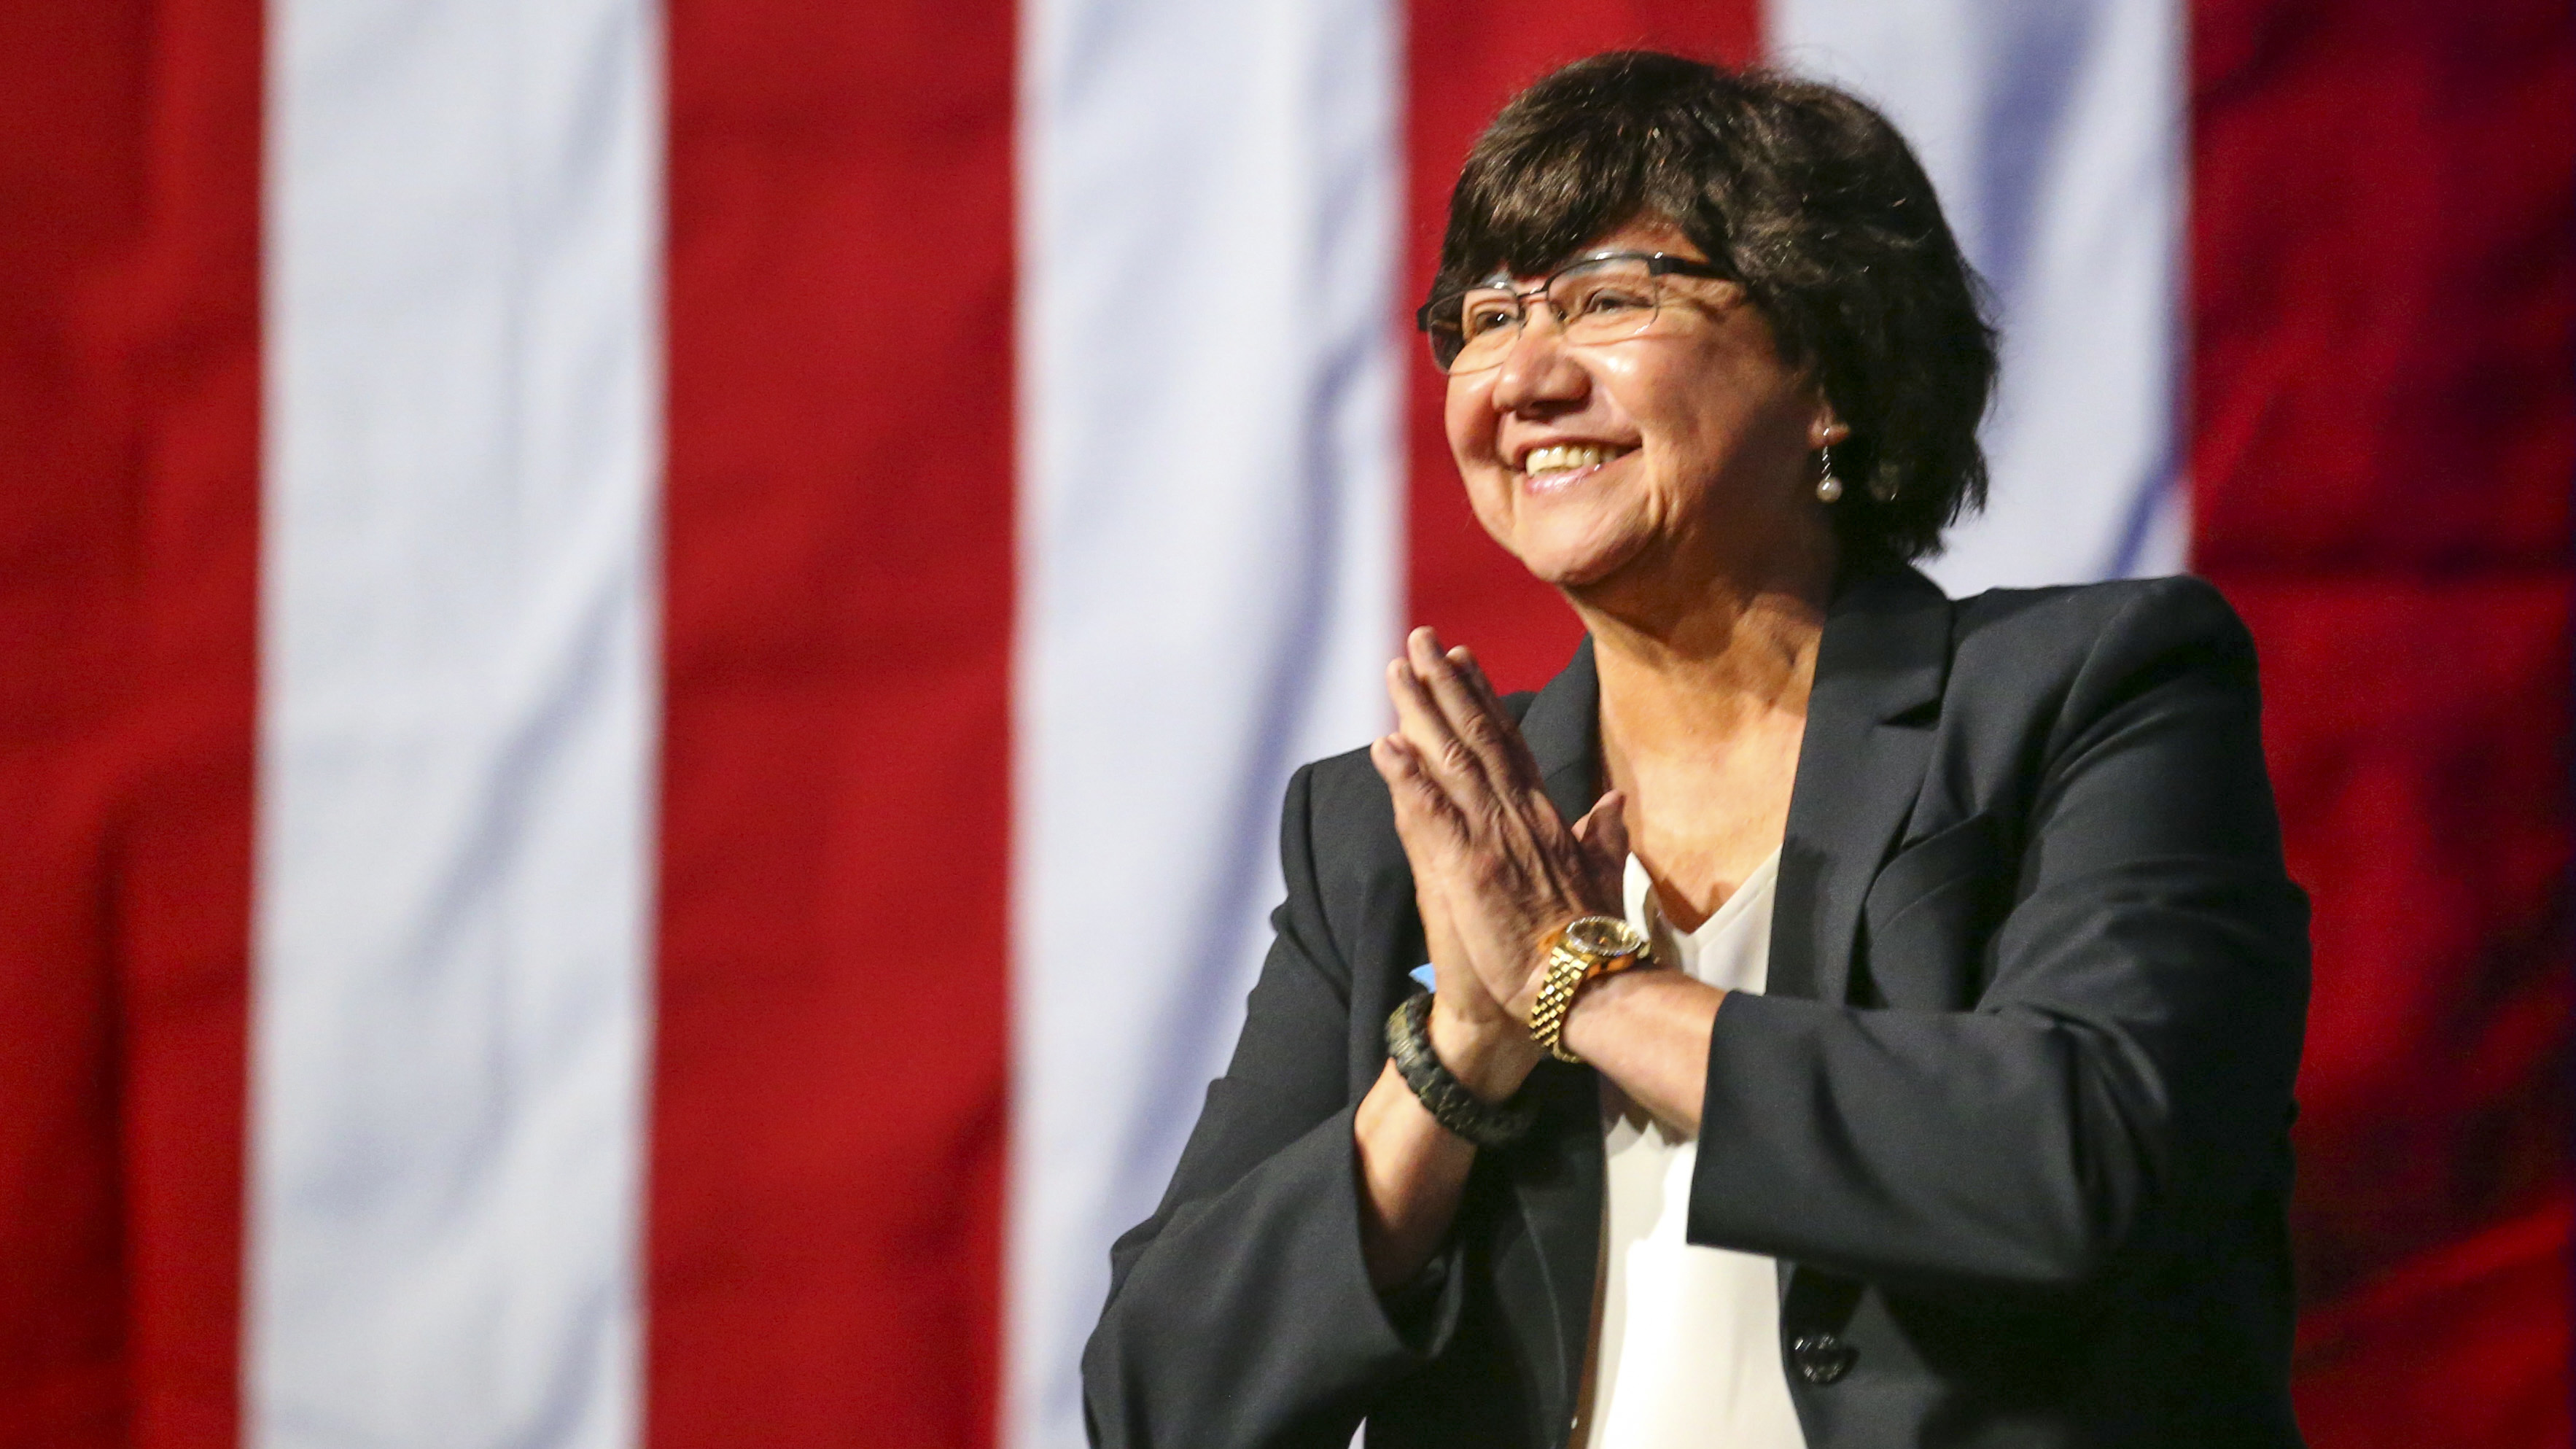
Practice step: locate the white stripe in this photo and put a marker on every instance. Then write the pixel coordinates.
(2054, 133)
(1210, 495)
(458, 709)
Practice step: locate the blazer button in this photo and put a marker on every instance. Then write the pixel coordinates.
(1822, 1358)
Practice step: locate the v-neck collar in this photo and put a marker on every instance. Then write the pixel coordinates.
(1646, 908)
(1880, 665)
(1880, 668)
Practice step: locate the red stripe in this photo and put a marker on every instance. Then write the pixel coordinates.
(2384, 389)
(830, 1084)
(129, 435)
(70, 149)
(1464, 60)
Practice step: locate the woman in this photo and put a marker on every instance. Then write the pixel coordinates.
(1897, 1047)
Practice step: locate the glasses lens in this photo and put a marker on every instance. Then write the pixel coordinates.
(1605, 301)
(1442, 333)
(1481, 328)
(1595, 302)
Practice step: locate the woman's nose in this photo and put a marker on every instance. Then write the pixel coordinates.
(1539, 368)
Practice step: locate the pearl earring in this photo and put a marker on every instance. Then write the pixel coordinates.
(1829, 488)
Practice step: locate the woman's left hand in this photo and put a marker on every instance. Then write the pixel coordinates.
(1486, 844)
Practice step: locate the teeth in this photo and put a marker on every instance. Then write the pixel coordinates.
(1566, 456)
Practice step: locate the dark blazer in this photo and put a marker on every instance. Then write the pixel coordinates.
(2013, 1114)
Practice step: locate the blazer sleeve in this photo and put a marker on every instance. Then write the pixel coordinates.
(2130, 1061)
(1241, 1312)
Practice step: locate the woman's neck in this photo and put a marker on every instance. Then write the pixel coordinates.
(1703, 704)
(1686, 662)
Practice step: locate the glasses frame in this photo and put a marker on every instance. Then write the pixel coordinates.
(1454, 338)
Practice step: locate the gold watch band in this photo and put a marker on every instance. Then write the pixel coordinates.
(1569, 971)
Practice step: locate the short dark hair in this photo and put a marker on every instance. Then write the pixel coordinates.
(1811, 202)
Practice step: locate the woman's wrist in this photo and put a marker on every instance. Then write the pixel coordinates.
(1490, 1054)
(1649, 1032)
(1607, 1002)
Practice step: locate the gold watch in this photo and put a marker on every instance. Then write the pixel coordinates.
(1587, 949)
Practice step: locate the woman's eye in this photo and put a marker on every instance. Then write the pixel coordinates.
(1483, 317)
(1610, 301)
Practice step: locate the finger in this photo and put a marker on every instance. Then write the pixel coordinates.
(1486, 733)
(1421, 805)
(1603, 830)
(1523, 764)
(1417, 722)
(1529, 825)
(1422, 724)
(1601, 837)
(1434, 836)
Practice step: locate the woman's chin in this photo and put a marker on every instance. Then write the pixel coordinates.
(1574, 563)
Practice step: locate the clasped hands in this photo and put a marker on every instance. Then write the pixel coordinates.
(1495, 869)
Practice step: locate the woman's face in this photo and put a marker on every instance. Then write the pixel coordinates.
(1677, 455)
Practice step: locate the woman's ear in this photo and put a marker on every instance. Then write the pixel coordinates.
(1825, 427)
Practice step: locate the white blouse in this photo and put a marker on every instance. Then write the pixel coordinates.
(1686, 1342)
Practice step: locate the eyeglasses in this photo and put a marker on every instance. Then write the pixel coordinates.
(1606, 297)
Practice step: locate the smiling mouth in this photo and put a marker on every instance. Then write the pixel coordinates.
(1560, 463)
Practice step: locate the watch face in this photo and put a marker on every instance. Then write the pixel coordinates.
(1604, 936)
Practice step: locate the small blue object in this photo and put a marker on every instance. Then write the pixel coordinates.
(1423, 974)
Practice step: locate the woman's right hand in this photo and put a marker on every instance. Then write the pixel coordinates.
(1473, 1033)
(1494, 868)
(1476, 1037)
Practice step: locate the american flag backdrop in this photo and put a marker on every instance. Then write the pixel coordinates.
(647, 649)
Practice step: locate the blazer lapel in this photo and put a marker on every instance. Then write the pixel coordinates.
(1563, 728)
(1884, 658)
(1882, 663)
(1557, 1175)
(1879, 668)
